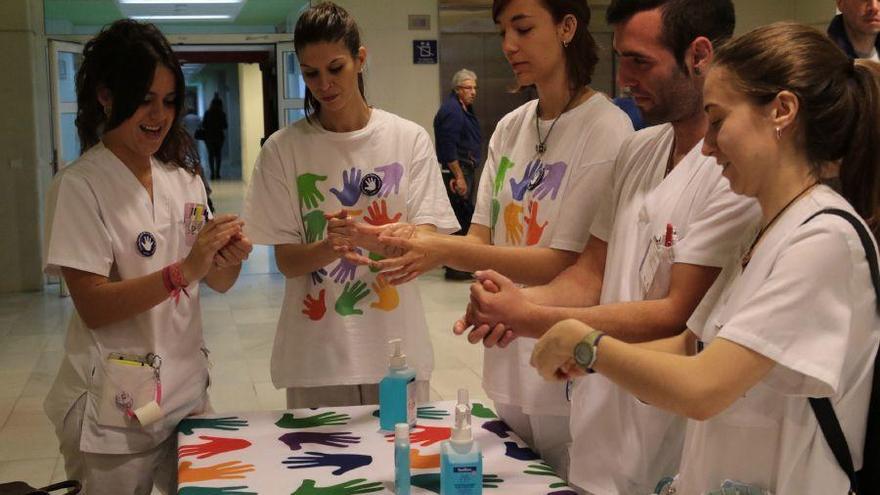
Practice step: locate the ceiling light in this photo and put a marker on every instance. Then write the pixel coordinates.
(180, 17)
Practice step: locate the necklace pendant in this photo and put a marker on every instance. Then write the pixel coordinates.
(540, 148)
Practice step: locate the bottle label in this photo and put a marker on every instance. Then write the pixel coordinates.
(466, 480)
(411, 402)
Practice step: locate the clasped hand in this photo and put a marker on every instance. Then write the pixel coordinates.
(496, 304)
(221, 243)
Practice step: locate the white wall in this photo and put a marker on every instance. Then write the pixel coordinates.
(392, 81)
(250, 84)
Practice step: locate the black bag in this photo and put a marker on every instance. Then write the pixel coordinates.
(200, 134)
(867, 480)
(22, 488)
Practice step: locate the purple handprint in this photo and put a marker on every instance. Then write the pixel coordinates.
(318, 276)
(514, 451)
(497, 427)
(518, 189)
(392, 173)
(553, 175)
(344, 462)
(345, 269)
(338, 439)
(351, 187)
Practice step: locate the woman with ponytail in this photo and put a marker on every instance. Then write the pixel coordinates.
(798, 315)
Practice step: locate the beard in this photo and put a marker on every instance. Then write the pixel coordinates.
(677, 98)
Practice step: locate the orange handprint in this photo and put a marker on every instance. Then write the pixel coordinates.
(315, 307)
(533, 230)
(511, 220)
(231, 470)
(388, 296)
(377, 214)
(418, 461)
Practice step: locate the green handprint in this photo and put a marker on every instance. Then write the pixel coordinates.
(496, 209)
(544, 469)
(375, 257)
(324, 419)
(352, 487)
(208, 490)
(481, 411)
(430, 412)
(503, 167)
(228, 423)
(351, 295)
(315, 224)
(491, 480)
(308, 191)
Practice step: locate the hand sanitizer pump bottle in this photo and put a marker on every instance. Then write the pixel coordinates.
(397, 391)
(461, 462)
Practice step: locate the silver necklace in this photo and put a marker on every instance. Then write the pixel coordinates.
(541, 147)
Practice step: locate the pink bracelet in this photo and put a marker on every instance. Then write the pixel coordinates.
(174, 280)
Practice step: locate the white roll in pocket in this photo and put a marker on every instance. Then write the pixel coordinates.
(128, 385)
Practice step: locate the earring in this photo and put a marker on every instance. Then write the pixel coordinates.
(565, 44)
(778, 133)
(107, 111)
(698, 71)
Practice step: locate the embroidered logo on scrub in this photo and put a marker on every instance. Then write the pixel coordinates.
(146, 244)
(371, 184)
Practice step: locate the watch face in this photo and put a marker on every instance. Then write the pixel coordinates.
(583, 354)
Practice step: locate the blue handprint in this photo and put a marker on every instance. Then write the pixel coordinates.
(392, 173)
(512, 450)
(345, 269)
(351, 187)
(318, 276)
(552, 180)
(497, 427)
(209, 490)
(518, 189)
(337, 439)
(343, 462)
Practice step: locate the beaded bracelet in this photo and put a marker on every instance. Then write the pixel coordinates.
(174, 280)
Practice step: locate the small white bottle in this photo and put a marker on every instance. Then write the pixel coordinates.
(461, 461)
(401, 459)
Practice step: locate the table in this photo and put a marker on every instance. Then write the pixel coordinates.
(340, 451)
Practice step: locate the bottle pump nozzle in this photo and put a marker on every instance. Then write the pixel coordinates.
(398, 358)
(461, 433)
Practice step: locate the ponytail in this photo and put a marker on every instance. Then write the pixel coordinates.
(860, 167)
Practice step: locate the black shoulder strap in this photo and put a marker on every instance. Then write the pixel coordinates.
(825, 415)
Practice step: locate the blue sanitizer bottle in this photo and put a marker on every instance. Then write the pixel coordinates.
(401, 459)
(397, 391)
(461, 462)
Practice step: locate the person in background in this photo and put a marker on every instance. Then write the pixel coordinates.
(192, 123)
(214, 123)
(457, 133)
(798, 319)
(344, 160)
(129, 230)
(856, 27)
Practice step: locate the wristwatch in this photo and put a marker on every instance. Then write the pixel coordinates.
(585, 352)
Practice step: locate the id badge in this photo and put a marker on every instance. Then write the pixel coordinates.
(129, 393)
(194, 217)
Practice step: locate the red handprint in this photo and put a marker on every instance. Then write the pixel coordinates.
(426, 435)
(533, 230)
(377, 214)
(213, 446)
(315, 307)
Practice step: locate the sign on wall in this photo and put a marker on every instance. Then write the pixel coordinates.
(425, 51)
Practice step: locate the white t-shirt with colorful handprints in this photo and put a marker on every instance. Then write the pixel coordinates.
(336, 322)
(546, 202)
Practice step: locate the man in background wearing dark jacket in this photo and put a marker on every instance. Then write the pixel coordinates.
(855, 28)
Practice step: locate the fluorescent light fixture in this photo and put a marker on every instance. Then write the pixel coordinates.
(177, 1)
(181, 17)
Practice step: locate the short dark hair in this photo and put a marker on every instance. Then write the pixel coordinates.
(329, 23)
(123, 58)
(582, 54)
(683, 20)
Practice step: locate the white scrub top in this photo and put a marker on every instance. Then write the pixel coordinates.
(336, 322)
(100, 220)
(621, 445)
(807, 302)
(547, 203)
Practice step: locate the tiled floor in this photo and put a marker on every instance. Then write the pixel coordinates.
(239, 328)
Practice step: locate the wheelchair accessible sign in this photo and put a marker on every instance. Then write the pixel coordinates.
(425, 51)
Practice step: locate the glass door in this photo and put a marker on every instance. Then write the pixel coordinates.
(291, 87)
(64, 62)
